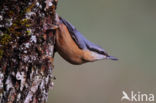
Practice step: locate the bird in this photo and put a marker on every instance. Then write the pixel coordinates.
(74, 47)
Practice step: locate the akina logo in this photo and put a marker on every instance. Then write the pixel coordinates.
(137, 97)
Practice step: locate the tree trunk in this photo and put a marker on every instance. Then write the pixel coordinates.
(26, 50)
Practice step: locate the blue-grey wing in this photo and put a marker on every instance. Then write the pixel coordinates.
(75, 34)
(80, 39)
(82, 42)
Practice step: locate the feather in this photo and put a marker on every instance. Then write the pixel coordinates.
(82, 42)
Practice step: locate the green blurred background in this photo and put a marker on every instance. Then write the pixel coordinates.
(127, 30)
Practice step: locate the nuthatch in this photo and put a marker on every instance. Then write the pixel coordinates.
(74, 47)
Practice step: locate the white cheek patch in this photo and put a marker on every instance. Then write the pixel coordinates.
(97, 56)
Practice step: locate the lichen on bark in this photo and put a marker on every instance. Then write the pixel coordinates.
(26, 50)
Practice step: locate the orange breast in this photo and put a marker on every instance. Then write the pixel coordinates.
(67, 47)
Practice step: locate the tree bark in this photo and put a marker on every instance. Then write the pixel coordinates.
(26, 50)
